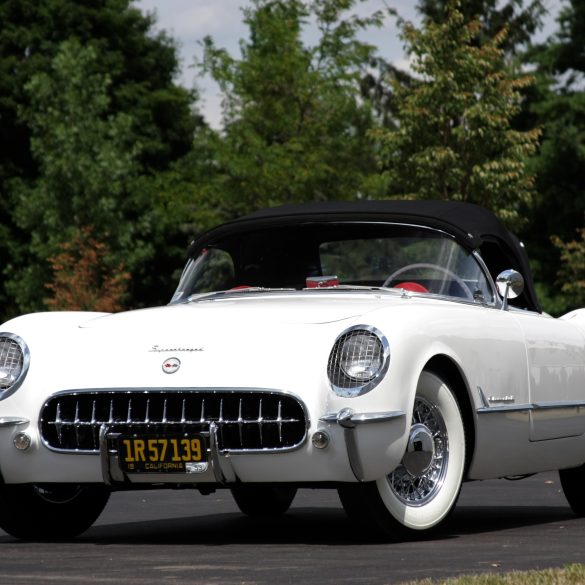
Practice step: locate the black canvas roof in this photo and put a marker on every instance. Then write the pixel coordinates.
(473, 226)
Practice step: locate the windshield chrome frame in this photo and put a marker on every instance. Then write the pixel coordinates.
(222, 294)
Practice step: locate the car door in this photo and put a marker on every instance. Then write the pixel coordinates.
(555, 352)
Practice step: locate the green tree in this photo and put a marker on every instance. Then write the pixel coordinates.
(140, 65)
(558, 106)
(521, 18)
(295, 128)
(571, 274)
(82, 280)
(454, 137)
(87, 160)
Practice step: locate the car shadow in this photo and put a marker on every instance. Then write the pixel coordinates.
(311, 526)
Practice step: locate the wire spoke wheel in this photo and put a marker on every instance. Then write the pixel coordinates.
(422, 472)
(421, 491)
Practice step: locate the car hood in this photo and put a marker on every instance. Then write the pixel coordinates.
(254, 340)
(229, 311)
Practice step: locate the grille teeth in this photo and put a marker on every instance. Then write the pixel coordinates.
(246, 420)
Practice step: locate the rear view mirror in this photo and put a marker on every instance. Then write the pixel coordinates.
(510, 285)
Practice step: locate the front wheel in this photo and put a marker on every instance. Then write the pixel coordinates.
(50, 511)
(419, 494)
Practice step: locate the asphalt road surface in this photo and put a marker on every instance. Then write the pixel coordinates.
(181, 537)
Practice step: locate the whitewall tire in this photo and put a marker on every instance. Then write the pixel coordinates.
(421, 492)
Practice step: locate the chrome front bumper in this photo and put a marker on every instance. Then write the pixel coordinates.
(370, 441)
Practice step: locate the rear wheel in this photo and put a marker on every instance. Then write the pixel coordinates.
(573, 481)
(419, 494)
(50, 511)
(263, 500)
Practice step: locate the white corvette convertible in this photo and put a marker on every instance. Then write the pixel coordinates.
(390, 350)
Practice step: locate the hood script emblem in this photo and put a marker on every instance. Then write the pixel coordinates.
(159, 349)
(171, 365)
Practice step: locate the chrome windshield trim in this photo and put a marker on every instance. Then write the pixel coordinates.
(180, 297)
(230, 294)
(496, 302)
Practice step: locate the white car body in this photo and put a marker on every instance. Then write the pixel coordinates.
(518, 376)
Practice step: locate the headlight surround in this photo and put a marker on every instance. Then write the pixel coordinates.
(358, 361)
(14, 361)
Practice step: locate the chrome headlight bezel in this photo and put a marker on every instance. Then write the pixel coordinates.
(14, 363)
(372, 357)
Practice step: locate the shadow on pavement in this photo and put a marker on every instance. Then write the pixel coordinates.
(310, 526)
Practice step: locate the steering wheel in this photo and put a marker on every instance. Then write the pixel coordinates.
(449, 273)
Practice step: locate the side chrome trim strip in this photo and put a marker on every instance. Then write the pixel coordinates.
(534, 406)
(559, 404)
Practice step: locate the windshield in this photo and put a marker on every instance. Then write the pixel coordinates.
(304, 256)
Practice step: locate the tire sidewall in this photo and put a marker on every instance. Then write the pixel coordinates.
(425, 516)
(25, 512)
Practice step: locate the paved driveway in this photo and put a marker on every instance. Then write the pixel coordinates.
(180, 537)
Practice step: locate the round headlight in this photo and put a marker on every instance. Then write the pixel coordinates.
(14, 359)
(361, 356)
(358, 361)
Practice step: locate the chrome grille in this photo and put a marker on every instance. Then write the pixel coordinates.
(246, 420)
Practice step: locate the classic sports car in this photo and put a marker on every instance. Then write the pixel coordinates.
(388, 349)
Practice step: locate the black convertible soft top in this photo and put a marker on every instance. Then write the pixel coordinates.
(475, 227)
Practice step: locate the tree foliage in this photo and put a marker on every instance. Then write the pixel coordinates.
(454, 138)
(87, 160)
(295, 128)
(82, 279)
(520, 18)
(139, 66)
(107, 170)
(572, 271)
(558, 106)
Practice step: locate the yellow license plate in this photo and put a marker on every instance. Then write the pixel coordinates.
(160, 454)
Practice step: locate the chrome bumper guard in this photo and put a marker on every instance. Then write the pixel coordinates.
(349, 420)
(220, 464)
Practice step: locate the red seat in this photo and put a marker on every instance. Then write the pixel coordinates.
(412, 286)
